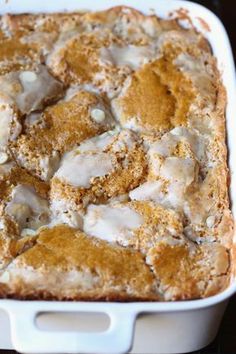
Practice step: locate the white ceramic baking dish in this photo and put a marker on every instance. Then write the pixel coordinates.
(176, 327)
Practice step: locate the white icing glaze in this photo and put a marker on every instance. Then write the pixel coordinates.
(168, 142)
(3, 158)
(73, 90)
(5, 277)
(125, 141)
(98, 115)
(27, 77)
(179, 173)
(5, 121)
(28, 232)
(10, 128)
(188, 63)
(131, 55)
(63, 213)
(36, 87)
(48, 165)
(150, 190)
(78, 169)
(164, 146)
(195, 140)
(178, 170)
(32, 119)
(133, 125)
(2, 224)
(27, 208)
(197, 70)
(98, 143)
(176, 36)
(150, 27)
(6, 168)
(173, 197)
(113, 223)
(210, 221)
(29, 89)
(89, 160)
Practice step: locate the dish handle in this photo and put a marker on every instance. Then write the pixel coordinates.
(28, 338)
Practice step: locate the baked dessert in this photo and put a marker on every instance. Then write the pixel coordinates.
(113, 172)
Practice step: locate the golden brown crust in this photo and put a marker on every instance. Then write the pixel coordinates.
(191, 273)
(160, 227)
(106, 271)
(164, 105)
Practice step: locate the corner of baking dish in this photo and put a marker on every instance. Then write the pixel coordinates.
(209, 24)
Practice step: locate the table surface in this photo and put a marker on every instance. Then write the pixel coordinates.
(225, 342)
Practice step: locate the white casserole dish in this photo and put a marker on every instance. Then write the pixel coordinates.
(176, 327)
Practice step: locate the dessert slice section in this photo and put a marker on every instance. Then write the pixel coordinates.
(66, 264)
(137, 224)
(99, 169)
(23, 210)
(79, 116)
(154, 99)
(189, 271)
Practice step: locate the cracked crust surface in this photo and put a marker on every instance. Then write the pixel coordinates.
(113, 173)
